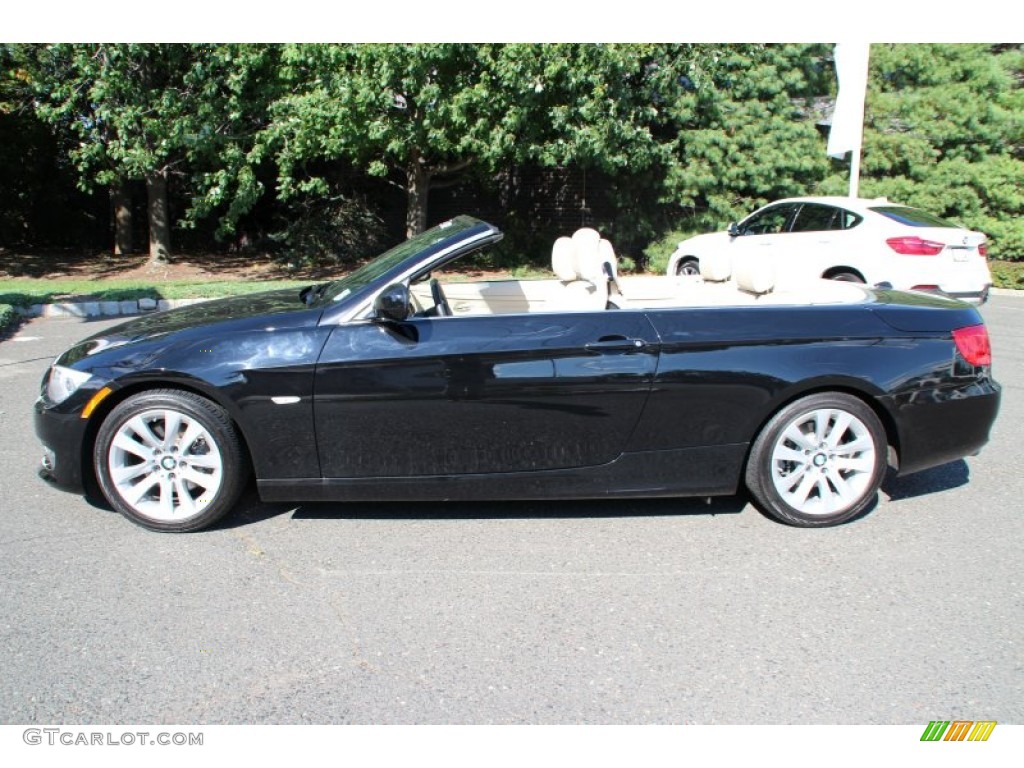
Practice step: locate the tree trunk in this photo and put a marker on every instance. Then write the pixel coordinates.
(417, 190)
(159, 225)
(121, 200)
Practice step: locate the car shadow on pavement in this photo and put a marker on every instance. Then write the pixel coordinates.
(251, 510)
(935, 480)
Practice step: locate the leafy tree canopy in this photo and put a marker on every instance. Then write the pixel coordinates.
(944, 130)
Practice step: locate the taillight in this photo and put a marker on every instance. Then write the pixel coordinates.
(972, 342)
(983, 250)
(915, 246)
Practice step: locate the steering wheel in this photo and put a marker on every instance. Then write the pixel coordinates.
(440, 302)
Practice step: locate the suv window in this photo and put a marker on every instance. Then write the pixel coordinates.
(848, 219)
(912, 217)
(770, 221)
(816, 218)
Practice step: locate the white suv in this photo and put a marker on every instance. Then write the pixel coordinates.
(845, 238)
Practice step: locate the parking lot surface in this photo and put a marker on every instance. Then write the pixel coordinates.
(585, 612)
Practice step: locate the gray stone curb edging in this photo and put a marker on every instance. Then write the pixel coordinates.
(104, 308)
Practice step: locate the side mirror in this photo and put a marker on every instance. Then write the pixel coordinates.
(392, 304)
(734, 230)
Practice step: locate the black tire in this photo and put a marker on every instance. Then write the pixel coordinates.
(688, 266)
(846, 277)
(170, 460)
(819, 461)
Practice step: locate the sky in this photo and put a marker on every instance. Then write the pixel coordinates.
(877, 21)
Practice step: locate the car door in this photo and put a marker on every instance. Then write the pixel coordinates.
(466, 395)
(818, 240)
(763, 234)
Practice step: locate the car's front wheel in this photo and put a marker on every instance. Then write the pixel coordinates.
(688, 266)
(170, 460)
(819, 461)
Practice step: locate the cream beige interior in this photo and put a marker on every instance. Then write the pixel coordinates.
(583, 282)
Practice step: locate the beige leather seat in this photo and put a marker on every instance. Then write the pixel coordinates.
(755, 277)
(576, 261)
(715, 268)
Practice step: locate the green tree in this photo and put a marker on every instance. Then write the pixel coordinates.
(115, 99)
(414, 113)
(232, 88)
(944, 130)
(145, 112)
(421, 115)
(157, 112)
(747, 134)
(39, 200)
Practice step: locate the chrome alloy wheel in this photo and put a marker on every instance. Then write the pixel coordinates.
(689, 266)
(824, 462)
(165, 464)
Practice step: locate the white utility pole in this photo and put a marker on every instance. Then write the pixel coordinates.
(847, 131)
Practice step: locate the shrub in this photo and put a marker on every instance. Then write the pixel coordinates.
(1007, 274)
(7, 316)
(334, 231)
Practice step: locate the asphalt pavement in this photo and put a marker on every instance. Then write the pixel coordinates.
(584, 612)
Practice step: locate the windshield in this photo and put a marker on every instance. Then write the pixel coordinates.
(367, 273)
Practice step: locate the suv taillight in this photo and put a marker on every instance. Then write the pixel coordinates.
(973, 344)
(983, 250)
(915, 246)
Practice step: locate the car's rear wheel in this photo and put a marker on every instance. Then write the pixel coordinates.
(170, 460)
(688, 266)
(819, 461)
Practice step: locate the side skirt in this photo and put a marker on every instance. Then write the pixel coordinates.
(705, 471)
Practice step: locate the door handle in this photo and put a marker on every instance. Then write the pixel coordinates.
(614, 344)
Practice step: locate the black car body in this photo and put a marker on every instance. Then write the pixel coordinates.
(359, 390)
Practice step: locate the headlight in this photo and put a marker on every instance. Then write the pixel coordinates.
(63, 382)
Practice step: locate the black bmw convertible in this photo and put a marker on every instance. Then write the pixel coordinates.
(401, 381)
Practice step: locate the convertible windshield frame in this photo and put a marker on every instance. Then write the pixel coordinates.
(371, 271)
(354, 293)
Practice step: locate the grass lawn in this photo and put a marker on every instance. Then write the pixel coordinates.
(23, 292)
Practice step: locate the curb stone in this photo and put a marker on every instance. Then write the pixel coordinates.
(104, 308)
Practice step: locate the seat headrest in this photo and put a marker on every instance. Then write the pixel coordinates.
(582, 257)
(756, 276)
(563, 259)
(586, 239)
(588, 254)
(715, 267)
